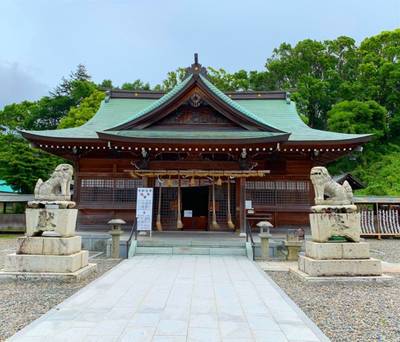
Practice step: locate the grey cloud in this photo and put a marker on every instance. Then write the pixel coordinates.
(17, 84)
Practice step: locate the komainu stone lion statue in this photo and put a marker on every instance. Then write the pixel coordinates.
(324, 185)
(57, 187)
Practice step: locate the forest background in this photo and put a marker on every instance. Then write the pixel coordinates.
(337, 85)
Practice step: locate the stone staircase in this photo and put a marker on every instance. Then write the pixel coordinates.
(190, 247)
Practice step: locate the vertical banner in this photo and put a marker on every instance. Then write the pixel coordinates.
(144, 208)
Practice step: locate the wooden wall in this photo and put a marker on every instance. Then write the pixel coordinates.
(96, 211)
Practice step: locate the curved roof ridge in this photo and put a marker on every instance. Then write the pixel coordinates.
(235, 104)
(168, 96)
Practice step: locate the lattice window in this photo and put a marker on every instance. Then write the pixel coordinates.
(126, 189)
(282, 193)
(109, 190)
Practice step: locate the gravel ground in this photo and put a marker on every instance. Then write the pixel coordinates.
(385, 249)
(352, 311)
(24, 301)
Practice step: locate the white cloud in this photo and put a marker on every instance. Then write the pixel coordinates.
(17, 84)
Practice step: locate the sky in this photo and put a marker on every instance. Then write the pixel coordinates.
(43, 40)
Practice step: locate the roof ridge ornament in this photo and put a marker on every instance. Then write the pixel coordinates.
(196, 68)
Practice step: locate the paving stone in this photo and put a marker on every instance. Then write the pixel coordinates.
(168, 298)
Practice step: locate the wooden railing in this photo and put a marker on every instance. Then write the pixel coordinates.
(386, 222)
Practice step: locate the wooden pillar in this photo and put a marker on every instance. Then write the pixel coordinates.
(77, 181)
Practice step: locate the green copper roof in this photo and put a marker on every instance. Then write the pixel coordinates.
(4, 187)
(277, 114)
(198, 135)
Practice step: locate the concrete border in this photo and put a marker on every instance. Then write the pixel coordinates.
(340, 279)
(37, 276)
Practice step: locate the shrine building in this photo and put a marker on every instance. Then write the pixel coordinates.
(209, 156)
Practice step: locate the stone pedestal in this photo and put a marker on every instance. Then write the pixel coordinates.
(325, 225)
(337, 250)
(49, 245)
(293, 248)
(50, 249)
(60, 221)
(46, 263)
(339, 260)
(339, 267)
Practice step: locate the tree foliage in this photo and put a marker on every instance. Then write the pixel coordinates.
(136, 85)
(337, 85)
(78, 115)
(21, 165)
(385, 178)
(173, 78)
(357, 117)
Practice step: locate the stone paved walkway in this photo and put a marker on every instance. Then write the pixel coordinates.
(177, 298)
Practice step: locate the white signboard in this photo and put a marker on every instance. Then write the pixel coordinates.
(144, 208)
(248, 204)
(187, 213)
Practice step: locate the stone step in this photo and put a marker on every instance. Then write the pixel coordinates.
(181, 250)
(191, 243)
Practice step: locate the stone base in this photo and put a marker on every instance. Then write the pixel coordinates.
(62, 221)
(337, 250)
(341, 279)
(49, 245)
(40, 276)
(340, 267)
(46, 263)
(326, 225)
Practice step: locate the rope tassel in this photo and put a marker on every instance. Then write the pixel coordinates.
(179, 223)
(214, 223)
(230, 223)
(158, 222)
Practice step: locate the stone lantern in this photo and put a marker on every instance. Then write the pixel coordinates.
(264, 237)
(115, 233)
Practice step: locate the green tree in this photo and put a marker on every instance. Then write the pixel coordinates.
(229, 82)
(66, 85)
(106, 84)
(318, 73)
(21, 165)
(78, 115)
(15, 116)
(379, 74)
(385, 177)
(358, 117)
(173, 78)
(136, 85)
